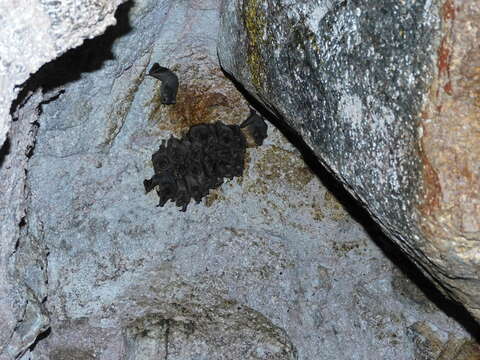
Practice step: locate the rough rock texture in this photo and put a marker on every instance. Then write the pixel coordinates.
(35, 32)
(386, 93)
(32, 33)
(450, 121)
(22, 263)
(269, 266)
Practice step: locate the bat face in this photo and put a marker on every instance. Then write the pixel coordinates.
(169, 81)
(256, 126)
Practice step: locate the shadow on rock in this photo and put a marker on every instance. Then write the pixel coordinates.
(88, 57)
(4, 151)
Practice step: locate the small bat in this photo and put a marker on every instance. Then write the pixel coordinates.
(256, 127)
(169, 83)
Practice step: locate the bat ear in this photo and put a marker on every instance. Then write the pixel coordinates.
(250, 120)
(148, 186)
(155, 67)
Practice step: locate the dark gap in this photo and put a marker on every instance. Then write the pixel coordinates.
(86, 58)
(39, 338)
(49, 100)
(30, 148)
(17, 244)
(391, 250)
(4, 151)
(167, 337)
(22, 226)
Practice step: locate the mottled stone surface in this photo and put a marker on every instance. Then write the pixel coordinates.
(32, 33)
(450, 121)
(386, 94)
(270, 266)
(22, 264)
(36, 32)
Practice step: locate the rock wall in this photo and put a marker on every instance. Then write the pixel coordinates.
(271, 265)
(36, 32)
(32, 33)
(386, 94)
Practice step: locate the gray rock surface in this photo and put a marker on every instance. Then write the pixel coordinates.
(269, 266)
(384, 93)
(32, 33)
(36, 32)
(22, 263)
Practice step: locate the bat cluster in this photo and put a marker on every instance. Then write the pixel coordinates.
(188, 168)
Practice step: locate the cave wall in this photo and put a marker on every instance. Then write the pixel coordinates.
(32, 33)
(36, 32)
(273, 265)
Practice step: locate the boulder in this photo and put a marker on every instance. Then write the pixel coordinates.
(386, 93)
